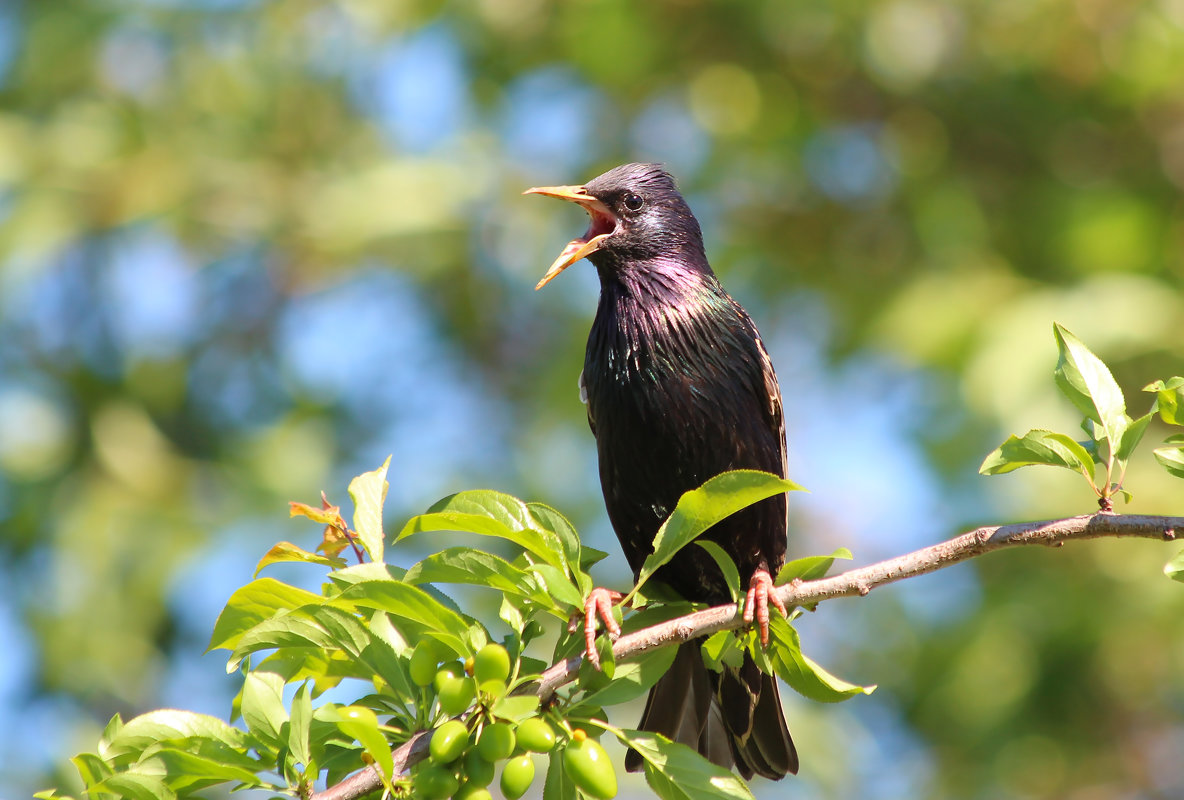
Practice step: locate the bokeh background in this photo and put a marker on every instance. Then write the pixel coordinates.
(248, 248)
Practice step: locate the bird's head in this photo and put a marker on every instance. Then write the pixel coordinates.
(637, 216)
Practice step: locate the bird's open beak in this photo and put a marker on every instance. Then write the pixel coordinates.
(604, 223)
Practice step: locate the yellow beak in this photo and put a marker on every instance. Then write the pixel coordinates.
(604, 223)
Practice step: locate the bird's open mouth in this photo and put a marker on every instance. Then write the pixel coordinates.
(603, 225)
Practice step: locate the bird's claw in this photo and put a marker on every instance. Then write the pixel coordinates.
(756, 602)
(599, 605)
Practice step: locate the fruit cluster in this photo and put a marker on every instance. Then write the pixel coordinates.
(463, 754)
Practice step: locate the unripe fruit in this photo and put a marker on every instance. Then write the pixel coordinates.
(448, 742)
(536, 735)
(450, 671)
(496, 742)
(423, 663)
(492, 663)
(434, 782)
(456, 695)
(471, 791)
(517, 775)
(588, 767)
(477, 769)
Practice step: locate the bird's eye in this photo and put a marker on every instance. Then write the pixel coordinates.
(633, 202)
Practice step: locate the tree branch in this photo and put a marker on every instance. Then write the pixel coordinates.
(860, 581)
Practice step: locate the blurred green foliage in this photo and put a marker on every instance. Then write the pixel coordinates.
(248, 247)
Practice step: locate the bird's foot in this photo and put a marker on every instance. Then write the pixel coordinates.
(756, 602)
(599, 605)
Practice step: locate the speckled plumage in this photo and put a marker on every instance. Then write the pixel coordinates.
(680, 388)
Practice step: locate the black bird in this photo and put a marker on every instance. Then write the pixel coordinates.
(680, 388)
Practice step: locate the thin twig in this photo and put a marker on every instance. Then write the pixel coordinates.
(855, 582)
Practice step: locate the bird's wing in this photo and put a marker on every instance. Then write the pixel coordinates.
(584, 400)
(774, 415)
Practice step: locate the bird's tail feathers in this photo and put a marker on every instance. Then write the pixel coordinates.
(732, 718)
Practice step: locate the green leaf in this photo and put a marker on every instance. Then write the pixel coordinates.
(1174, 569)
(1087, 382)
(411, 602)
(516, 707)
(699, 509)
(549, 519)
(1169, 399)
(726, 565)
(1038, 447)
(185, 771)
(359, 722)
(286, 551)
(489, 513)
(259, 600)
(559, 586)
(91, 768)
(369, 571)
(590, 557)
(676, 772)
(262, 706)
(721, 649)
(169, 724)
(297, 628)
(1172, 459)
(633, 678)
(801, 673)
(1132, 434)
(368, 491)
(468, 565)
(810, 568)
(558, 785)
(134, 786)
(298, 730)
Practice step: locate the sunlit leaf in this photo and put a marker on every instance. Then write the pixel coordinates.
(801, 673)
(91, 768)
(676, 772)
(699, 509)
(726, 566)
(1174, 569)
(360, 723)
(134, 786)
(551, 520)
(810, 568)
(1087, 382)
(633, 678)
(412, 602)
(1132, 434)
(1172, 459)
(516, 707)
(262, 705)
(286, 551)
(558, 786)
(1038, 447)
(489, 513)
(1169, 399)
(559, 586)
(186, 771)
(298, 730)
(169, 724)
(467, 565)
(722, 649)
(259, 600)
(325, 515)
(368, 491)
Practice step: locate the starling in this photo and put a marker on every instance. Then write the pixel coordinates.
(679, 388)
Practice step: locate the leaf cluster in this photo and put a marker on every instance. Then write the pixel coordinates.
(363, 629)
(1112, 435)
